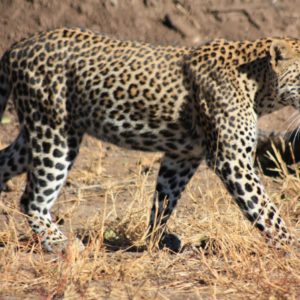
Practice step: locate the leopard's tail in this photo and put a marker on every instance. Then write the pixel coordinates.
(5, 83)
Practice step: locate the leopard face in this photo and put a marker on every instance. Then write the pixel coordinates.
(285, 61)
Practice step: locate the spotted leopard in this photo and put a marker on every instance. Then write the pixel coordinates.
(188, 103)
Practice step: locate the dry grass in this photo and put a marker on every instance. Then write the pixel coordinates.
(110, 204)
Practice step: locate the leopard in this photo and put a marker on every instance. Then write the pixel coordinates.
(188, 103)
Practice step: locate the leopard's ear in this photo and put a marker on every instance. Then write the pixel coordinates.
(280, 52)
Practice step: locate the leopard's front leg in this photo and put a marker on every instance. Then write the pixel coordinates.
(231, 156)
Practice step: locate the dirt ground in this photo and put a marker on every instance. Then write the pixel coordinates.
(108, 193)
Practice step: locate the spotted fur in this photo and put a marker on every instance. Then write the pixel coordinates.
(189, 103)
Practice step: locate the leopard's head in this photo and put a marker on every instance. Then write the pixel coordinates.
(285, 62)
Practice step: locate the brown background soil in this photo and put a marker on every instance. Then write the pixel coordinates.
(194, 21)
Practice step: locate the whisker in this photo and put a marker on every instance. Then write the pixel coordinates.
(284, 74)
(294, 119)
(295, 137)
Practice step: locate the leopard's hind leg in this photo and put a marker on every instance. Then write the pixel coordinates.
(173, 176)
(14, 160)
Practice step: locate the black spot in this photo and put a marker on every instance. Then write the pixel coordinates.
(57, 153)
(37, 161)
(260, 226)
(250, 204)
(72, 142)
(248, 149)
(41, 172)
(48, 133)
(71, 155)
(159, 187)
(173, 185)
(57, 140)
(42, 183)
(169, 173)
(230, 186)
(248, 187)
(36, 146)
(248, 176)
(250, 217)
(48, 192)
(34, 207)
(23, 151)
(182, 184)
(48, 162)
(226, 170)
(184, 173)
(21, 160)
(59, 177)
(259, 190)
(239, 189)
(241, 203)
(271, 215)
(50, 177)
(241, 164)
(40, 199)
(255, 216)
(166, 133)
(60, 166)
(254, 199)
(139, 126)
